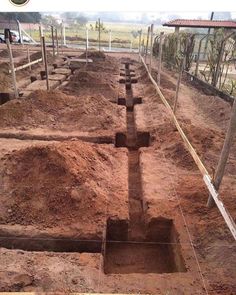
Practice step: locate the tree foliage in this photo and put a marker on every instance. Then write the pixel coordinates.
(24, 17)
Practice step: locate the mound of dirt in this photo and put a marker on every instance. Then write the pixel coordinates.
(94, 54)
(5, 79)
(57, 183)
(57, 110)
(4, 53)
(180, 156)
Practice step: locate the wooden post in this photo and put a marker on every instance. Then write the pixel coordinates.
(147, 44)
(139, 43)
(19, 30)
(28, 55)
(178, 84)
(198, 55)
(143, 48)
(64, 34)
(160, 59)
(53, 41)
(57, 45)
(110, 40)
(45, 62)
(12, 68)
(151, 44)
(224, 154)
(99, 34)
(87, 38)
(86, 46)
(208, 34)
(40, 36)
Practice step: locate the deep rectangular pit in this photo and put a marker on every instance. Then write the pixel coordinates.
(125, 258)
(143, 140)
(157, 254)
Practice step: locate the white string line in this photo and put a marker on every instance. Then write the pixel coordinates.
(181, 211)
(47, 239)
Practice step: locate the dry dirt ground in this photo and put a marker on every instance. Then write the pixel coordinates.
(100, 197)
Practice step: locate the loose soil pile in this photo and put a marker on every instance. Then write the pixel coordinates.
(15, 53)
(94, 55)
(58, 184)
(5, 78)
(57, 110)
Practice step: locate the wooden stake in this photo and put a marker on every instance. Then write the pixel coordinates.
(99, 34)
(198, 55)
(45, 62)
(178, 85)
(110, 40)
(13, 74)
(160, 59)
(86, 46)
(147, 44)
(87, 39)
(143, 48)
(40, 36)
(139, 42)
(29, 61)
(64, 33)
(224, 154)
(57, 44)
(151, 44)
(53, 41)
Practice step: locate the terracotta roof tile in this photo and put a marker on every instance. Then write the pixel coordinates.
(201, 23)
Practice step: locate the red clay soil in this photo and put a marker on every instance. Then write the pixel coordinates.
(5, 78)
(204, 119)
(15, 53)
(60, 184)
(57, 110)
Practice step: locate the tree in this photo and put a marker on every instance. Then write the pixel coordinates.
(24, 17)
(49, 20)
(81, 20)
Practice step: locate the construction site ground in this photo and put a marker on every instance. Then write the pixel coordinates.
(98, 192)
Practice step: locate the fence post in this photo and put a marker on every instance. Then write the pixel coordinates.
(224, 154)
(53, 41)
(147, 45)
(64, 33)
(99, 34)
(178, 85)
(28, 55)
(198, 55)
(151, 44)
(45, 62)
(40, 36)
(110, 40)
(87, 38)
(160, 60)
(57, 41)
(19, 30)
(139, 43)
(13, 74)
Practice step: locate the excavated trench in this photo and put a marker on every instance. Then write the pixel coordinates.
(152, 250)
(128, 248)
